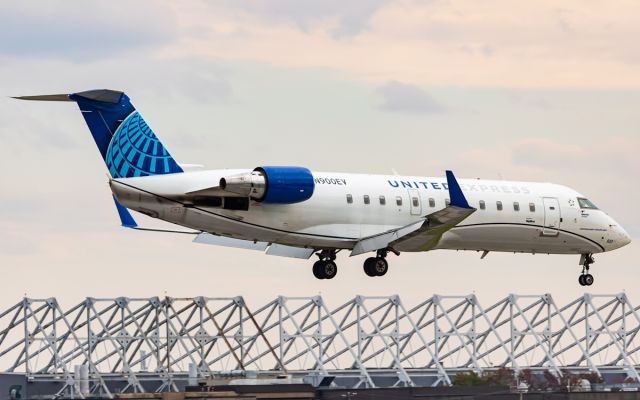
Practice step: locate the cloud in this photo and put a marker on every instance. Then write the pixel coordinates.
(82, 31)
(351, 17)
(403, 97)
(491, 44)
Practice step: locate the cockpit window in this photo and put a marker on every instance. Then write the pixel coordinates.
(586, 203)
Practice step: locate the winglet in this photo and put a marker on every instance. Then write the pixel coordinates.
(457, 197)
(125, 217)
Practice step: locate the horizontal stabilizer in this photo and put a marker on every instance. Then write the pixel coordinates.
(100, 95)
(45, 97)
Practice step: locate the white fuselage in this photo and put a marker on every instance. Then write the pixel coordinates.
(533, 217)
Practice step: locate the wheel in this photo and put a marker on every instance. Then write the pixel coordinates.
(369, 266)
(588, 280)
(329, 269)
(380, 266)
(581, 280)
(317, 269)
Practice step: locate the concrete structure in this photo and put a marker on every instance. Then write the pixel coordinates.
(107, 346)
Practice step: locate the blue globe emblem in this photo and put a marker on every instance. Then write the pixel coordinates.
(135, 150)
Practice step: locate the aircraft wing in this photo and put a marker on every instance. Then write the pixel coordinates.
(424, 234)
(272, 249)
(435, 225)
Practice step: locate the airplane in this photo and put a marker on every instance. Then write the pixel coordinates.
(292, 211)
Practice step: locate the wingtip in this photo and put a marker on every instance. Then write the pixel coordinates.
(126, 220)
(455, 192)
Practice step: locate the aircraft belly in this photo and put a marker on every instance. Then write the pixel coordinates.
(515, 239)
(233, 224)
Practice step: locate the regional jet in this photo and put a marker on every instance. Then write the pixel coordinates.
(292, 211)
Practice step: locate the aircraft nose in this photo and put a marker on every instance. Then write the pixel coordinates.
(619, 235)
(625, 239)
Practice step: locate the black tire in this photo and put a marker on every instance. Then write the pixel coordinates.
(381, 266)
(588, 280)
(581, 280)
(369, 266)
(317, 269)
(329, 269)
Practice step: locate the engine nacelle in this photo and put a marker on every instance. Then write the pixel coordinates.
(276, 185)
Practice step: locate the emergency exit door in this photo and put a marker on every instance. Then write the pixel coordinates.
(551, 216)
(414, 201)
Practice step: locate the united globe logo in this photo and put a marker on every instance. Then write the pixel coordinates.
(135, 150)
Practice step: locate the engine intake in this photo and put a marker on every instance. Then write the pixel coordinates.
(275, 185)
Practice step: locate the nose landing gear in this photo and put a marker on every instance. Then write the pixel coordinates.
(325, 267)
(586, 279)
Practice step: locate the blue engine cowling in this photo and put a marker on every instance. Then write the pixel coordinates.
(286, 185)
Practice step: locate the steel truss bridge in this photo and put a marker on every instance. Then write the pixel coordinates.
(153, 344)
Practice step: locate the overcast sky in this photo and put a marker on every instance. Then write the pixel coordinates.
(492, 89)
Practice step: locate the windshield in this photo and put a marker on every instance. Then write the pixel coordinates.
(586, 203)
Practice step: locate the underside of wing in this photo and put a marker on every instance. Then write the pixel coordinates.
(435, 225)
(272, 249)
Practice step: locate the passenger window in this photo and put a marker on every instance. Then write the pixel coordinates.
(432, 202)
(366, 199)
(349, 199)
(415, 202)
(399, 201)
(383, 201)
(499, 205)
(516, 206)
(447, 202)
(532, 207)
(482, 205)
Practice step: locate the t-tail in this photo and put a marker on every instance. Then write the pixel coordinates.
(125, 141)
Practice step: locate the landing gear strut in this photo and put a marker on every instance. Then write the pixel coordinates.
(377, 266)
(586, 279)
(325, 267)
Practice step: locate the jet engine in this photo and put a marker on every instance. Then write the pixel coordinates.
(275, 185)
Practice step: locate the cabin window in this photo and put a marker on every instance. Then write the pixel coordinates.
(482, 205)
(516, 206)
(366, 199)
(432, 202)
(399, 201)
(383, 201)
(586, 203)
(532, 207)
(447, 202)
(415, 202)
(349, 199)
(499, 205)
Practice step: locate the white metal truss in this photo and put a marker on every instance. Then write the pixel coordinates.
(151, 344)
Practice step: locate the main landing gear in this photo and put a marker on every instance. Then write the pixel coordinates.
(586, 279)
(378, 265)
(325, 267)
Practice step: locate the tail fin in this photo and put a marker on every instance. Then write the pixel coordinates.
(125, 141)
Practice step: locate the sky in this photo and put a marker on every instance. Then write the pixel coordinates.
(534, 91)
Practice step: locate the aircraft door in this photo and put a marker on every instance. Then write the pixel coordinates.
(551, 216)
(414, 202)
